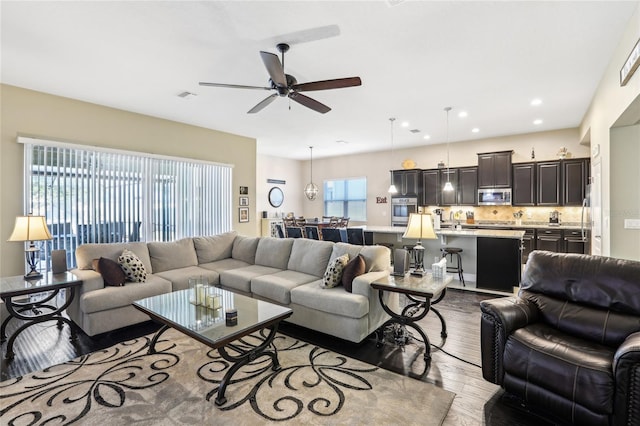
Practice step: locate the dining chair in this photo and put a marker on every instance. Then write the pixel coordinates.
(300, 221)
(312, 232)
(355, 236)
(343, 222)
(334, 222)
(294, 232)
(331, 234)
(279, 230)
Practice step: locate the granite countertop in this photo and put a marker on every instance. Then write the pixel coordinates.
(524, 225)
(496, 233)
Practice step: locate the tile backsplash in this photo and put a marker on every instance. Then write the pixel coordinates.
(505, 213)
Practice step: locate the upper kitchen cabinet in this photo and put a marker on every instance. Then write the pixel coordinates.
(431, 188)
(524, 184)
(449, 198)
(575, 174)
(468, 186)
(494, 169)
(408, 182)
(549, 183)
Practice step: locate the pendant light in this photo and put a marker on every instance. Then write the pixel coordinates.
(311, 190)
(448, 186)
(392, 187)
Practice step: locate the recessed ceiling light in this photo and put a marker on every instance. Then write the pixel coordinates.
(427, 137)
(342, 142)
(537, 121)
(405, 124)
(536, 102)
(475, 130)
(462, 114)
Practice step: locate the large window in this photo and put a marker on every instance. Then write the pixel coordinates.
(346, 198)
(103, 196)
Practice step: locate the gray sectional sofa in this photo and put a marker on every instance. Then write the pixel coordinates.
(283, 271)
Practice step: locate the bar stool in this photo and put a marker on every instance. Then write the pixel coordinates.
(451, 251)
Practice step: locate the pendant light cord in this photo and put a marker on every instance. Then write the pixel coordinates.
(311, 165)
(448, 173)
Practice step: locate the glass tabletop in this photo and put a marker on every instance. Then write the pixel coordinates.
(18, 285)
(208, 325)
(415, 285)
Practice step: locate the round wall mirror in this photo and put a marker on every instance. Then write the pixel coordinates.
(276, 196)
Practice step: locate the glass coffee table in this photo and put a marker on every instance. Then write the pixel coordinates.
(173, 310)
(422, 292)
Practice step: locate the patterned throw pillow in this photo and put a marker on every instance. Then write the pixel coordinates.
(333, 274)
(132, 266)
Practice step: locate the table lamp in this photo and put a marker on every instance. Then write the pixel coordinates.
(31, 228)
(419, 227)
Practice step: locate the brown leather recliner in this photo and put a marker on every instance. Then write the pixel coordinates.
(569, 344)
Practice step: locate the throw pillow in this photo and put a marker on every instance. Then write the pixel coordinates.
(333, 274)
(112, 273)
(355, 267)
(132, 266)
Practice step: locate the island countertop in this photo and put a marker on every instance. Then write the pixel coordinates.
(492, 233)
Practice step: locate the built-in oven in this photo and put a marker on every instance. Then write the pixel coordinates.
(401, 208)
(494, 197)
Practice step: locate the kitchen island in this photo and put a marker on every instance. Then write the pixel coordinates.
(490, 257)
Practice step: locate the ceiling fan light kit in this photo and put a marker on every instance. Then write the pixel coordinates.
(286, 85)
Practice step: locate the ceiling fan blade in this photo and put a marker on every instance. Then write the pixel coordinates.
(274, 67)
(266, 101)
(309, 103)
(337, 83)
(233, 86)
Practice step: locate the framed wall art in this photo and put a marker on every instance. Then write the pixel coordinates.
(244, 201)
(243, 214)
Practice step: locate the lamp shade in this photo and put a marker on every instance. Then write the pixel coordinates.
(420, 227)
(30, 228)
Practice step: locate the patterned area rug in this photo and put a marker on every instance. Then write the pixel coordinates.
(178, 385)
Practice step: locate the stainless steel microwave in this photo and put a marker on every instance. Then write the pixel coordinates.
(494, 197)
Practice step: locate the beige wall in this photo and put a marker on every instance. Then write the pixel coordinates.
(375, 166)
(30, 113)
(614, 106)
(290, 171)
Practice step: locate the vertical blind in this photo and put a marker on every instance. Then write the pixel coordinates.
(104, 196)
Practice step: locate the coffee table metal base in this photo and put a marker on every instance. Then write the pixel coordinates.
(237, 361)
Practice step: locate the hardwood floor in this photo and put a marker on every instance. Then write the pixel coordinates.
(455, 367)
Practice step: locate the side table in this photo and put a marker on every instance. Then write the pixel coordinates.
(38, 310)
(420, 291)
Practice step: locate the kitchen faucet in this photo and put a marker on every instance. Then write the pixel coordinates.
(451, 216)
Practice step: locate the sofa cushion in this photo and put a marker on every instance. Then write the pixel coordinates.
(167, 255)
(353, 269)
(180, 277)
(273, 252)
(224, 265)
(376, 258)
(332, 300)
(244, 248)
(310, 256)
(240, 279)
(277, 287)
(116, 297)
(111, 272)
(132, 266)
(215, 247)
(85, 253)
(340, 249)
(333, 275)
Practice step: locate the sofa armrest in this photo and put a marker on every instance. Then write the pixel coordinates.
(499, 318)
(362, 283)
(91, 280)
(626, 371)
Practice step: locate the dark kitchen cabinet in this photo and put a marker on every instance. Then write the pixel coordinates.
(575, 176)
(528, 243)
(407, 182)
(524, 184)
(548, 176)
(431, 190)
(498, 263)
(449, 198)
(468, 186)
(550, 240)
(573, 242)
(494, 169)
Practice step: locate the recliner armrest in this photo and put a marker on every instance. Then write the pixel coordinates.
(499, 318)
(512, 312)
(626, 371)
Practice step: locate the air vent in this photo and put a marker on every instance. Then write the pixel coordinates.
(415, 130)
(187, 95)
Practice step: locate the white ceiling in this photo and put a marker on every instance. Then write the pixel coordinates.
(487, 58)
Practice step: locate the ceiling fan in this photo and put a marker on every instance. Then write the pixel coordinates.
(286, 85)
